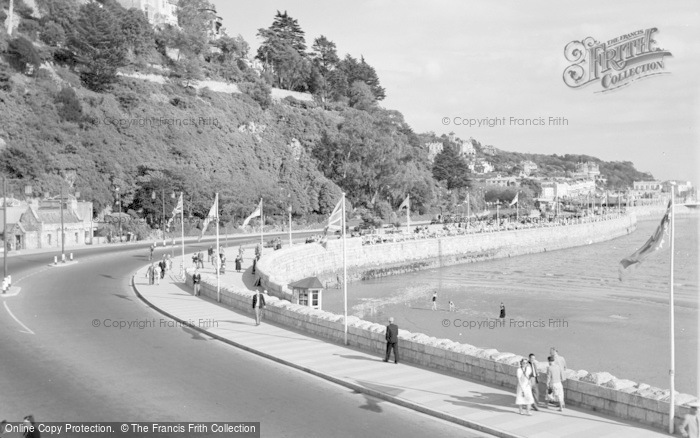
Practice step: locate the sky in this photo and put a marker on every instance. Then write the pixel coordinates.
(445, 62)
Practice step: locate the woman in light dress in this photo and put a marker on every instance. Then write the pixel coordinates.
(523, 393)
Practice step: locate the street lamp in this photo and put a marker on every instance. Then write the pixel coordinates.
(119, 200)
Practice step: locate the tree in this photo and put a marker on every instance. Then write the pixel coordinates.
(25, 55)
(361, 96)
(361, 71)
(449, 166)
(188, 70)
(284, 30)
(324, 54)
(194, 18)
(99, 44)
(53, 34)
(138, 34)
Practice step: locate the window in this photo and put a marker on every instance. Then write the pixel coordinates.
(48, 237)
(314, 298)
(76, 237)
(304, 297)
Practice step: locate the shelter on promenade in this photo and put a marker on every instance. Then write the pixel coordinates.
(307, 292)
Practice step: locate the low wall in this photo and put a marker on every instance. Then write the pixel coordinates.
(599, 392)
(280, 268)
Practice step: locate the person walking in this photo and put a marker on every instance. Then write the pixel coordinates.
(163, 267)
(210, 255)
(239, 261)
(452, 306)
(555, 378)
(152, 248)
(156, 273)
(196, 281)
(502, 314)
(200, 260)
(534, 381)
(392, 341)
(258, 306)
(435, 300)
(559, 361)
(523, 392)
(151, 274)
(30, 428)
(691, 423)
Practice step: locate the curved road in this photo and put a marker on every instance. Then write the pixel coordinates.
(56, 365)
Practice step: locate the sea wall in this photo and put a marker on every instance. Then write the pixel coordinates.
(277, 269)
(599, 392)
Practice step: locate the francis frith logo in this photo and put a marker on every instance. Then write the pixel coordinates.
(616, 63)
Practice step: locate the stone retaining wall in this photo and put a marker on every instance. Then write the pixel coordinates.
(599, 392)
(278, 269)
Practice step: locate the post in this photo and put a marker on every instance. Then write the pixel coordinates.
(216, 252)
(4, 217)
(262, 224)
(9, 17)
(63, 231)
(408, 215)
(345, 272)
(162, 221)
(182, 237)
(671, 372)
(290, 224)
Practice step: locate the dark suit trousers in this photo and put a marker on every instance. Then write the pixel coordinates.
(535, 391)
(395, 347)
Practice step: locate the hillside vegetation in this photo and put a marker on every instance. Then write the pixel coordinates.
(69, 119)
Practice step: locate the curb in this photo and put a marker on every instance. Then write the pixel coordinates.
(346, 383)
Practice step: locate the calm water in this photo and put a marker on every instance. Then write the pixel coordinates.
(572, 299)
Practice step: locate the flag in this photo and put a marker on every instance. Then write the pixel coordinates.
(213, 215)
(514, 201)
(335, 222)
(177, 210)
(172, 195)
(153, 194)
(405, 203)
(654, 243)
(256, 213)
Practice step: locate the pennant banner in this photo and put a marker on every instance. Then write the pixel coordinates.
(213, 215)
(405, 203)
(514, 201)
(256, 213)
(652, 245)
(177, 210)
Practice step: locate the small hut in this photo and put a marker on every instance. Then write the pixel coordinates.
(307, 292)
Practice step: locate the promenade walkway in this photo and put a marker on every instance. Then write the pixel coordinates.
(476, 405)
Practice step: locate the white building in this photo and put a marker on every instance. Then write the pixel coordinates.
(528, 167)
(502, 181)
(158, 12)
(467, 148)
(434, 149)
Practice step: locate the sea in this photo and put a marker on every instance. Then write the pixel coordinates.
(576, 299)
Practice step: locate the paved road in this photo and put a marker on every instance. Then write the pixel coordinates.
(55, 364)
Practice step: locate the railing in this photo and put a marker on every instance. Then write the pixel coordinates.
(482, 227)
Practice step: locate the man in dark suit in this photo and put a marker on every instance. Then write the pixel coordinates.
(258, 305)
(392, 341)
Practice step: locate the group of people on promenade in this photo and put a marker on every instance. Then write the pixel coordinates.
(528, 383)
(157, 271)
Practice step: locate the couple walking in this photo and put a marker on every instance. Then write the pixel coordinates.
(527, 392)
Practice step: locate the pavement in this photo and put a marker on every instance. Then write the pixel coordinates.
(472, 404)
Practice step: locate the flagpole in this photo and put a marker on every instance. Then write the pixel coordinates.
(671, 372)
(182, 237)
(262, 223)
(408, 215)
(216, 251)
(345, 271)
(468, 211)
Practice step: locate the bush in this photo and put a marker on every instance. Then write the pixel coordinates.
(5, 84)
(53, 34)
(29, 27)
(70, 108)
(259, 91)
(24, 54)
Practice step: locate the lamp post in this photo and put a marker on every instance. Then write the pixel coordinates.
(119, 201)
(4, 230)
(63, 230)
